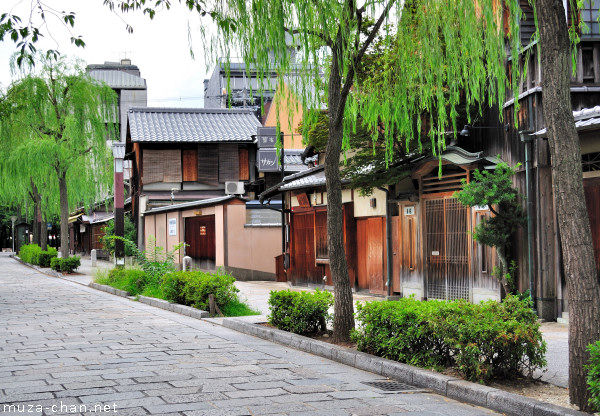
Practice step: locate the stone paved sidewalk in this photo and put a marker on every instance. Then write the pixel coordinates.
(257, 294)
(73, 347)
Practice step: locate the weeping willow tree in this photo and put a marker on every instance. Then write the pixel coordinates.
(55, 125)
(444, 50)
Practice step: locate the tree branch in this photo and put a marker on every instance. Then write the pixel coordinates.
(350, 76)
(314, 33)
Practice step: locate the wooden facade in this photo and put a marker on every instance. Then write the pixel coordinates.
(309, 260)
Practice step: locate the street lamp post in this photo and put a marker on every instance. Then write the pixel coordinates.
(13, 219)
(119, 203)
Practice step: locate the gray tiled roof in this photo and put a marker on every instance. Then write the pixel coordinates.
(194, 204)
(308, 179)
(459, 156)
(119, 79)
(191, 125)
(586, 119)
(292, 160)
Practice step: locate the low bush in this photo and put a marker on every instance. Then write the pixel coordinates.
(46, 257)
(133, 281)
(30, 253)
(483, 341)
(300, 312)
(65, 265)
(193, 288)
(593, 377)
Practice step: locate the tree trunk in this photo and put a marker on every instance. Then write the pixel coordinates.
(37, 201)
(343, 318)
(64, 214)
(500, 251)
(583, 288)
(44, 234)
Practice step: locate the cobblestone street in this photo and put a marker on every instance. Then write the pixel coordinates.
(68, 349)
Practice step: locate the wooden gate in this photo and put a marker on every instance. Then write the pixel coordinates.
(371, 254)
(200, 235)
(447, 249)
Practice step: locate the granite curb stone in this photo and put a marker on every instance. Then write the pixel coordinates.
(489, 397)
(157, 303)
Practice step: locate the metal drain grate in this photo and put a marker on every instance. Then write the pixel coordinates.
(391, 386)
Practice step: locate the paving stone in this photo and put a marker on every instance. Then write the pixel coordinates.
(278, 408)
(316, 388)
(260, 385)
(84, 392)
(94, 348)
(176, 407)
(193, 397)
(254, 393)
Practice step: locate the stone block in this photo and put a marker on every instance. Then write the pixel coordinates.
(369, 362)
(282, 337)
(344, 356)
(432, 380)
(510, 403)
(547, 409)
(469, 392)
(322, 349)
(397, 371)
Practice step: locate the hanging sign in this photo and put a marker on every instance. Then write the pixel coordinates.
(267, 160)
(267, 137)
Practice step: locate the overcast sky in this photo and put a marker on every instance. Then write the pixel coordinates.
(159, 47)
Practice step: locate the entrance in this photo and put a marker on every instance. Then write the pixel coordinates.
(447, 249)
(200, 235)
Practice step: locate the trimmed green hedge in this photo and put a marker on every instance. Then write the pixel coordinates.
(30, 253)
(593, 377)
(486, 340)
(66, 265)
(45, 257)
(300, 312)
(33, 254)
(193, 288)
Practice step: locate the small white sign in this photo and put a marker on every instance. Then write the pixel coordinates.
(435, 253)
(172, 226)
(409, 210)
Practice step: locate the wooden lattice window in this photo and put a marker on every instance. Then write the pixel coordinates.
(450, 182)
(229, 163)
(590, 162)
(162, 166)
(208, 164)
(321, 250)
(244, 165)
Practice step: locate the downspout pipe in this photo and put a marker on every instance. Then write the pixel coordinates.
(388, 238)
(527, 138)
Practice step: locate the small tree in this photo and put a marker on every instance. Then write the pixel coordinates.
(494, 189)
(56, 134)
(108, 241)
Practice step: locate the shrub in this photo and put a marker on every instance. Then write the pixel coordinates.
(46, 257)
(130, 280)
(593, 377)
(130, 234)
(30, 253)
(482, 341)
(66, 265)
(193, 288)
(300, 312)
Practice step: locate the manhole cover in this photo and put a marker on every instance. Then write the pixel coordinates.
(391, 386)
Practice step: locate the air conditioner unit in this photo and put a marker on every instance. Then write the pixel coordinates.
(234, 188)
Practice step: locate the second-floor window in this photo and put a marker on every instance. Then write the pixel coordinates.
(210, 164)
